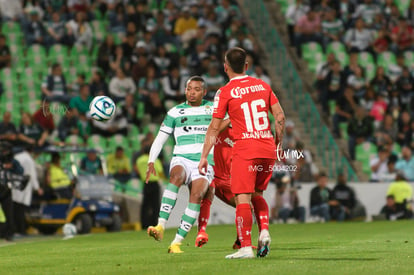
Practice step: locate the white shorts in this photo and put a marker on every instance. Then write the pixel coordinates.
(191, 170)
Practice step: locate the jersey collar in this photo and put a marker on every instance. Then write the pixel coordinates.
(239, 77)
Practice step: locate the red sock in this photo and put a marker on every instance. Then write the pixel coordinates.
(261, 211)
(244, 223)
(204, 215)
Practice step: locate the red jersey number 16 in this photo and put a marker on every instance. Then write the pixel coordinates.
(260, 120)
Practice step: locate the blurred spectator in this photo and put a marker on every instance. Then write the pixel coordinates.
(293, 13)
(352, 65)
(214, 81)
(259, 73)
(332, 28)
(98, 85)
(333, 86)
(128, 46)
(117, 19)
(54, 85)
(8, 130)
(139, 69)
(379, 165)
(405, 86)
(290, 137)
(402, 36)
(129, 108)
(161, 29)
(121, 85)
(35, 31)
(11, 10)
(242, 40)
(381, 83)
(305, 168)
(391, 211)
(56, 30)
(106, 49)
(388, 127)
(31, 135)
(78, 5)
(358, 82)
(322, 71)
(360, 129)
(359, 38)
(406, 164)
(322, 202)
(404, 125)
(91, 163)
(5, 55)
(173, 86)
(395, 70)
(409, 136)
(367, 10)
(80, 31)
(162, 61)
(119, 60)
(346, 10)
(119, 166)
(118, 124)
(402, 192)
(287, 202)
(379, 108)
(58, 179)
(138, 15)
(344, 110)
(345, 195)
(75, 86)
(308, 28)
(390, 173)
(149, 89)
(185, 24)
(68, 125)
(381, 43)
(44, 117)
(225, 11)
(81, 102)
(151, 193)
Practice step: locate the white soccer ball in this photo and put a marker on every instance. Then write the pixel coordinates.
(102, 108)
(69, 229)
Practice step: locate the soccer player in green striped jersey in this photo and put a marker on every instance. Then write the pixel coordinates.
(188, 122)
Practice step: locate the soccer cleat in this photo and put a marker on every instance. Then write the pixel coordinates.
(263, 247)
(237, 245)
(202, 239)
(243, 253)
(157, 232)
(175, 248)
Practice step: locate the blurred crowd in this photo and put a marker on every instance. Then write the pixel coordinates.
(361, 52)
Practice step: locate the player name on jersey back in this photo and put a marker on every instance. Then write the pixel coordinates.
(257, 134)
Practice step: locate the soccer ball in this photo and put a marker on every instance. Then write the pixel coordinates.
(102, 108)
(69, 230)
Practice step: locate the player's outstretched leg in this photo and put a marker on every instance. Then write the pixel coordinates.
(168, 201)
(187, 220)
(202, 236)
(261, 211)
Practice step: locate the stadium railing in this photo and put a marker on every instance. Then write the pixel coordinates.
(320, 135)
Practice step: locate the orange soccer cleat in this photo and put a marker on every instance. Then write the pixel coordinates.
(202, 239)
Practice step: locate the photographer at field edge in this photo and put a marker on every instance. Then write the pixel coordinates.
(7, 165)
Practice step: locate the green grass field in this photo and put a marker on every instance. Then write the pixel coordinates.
(332, 248)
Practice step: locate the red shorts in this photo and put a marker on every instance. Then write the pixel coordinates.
(248, 175)
(223, 190)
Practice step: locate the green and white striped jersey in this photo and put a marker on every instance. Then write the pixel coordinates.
(189, 125)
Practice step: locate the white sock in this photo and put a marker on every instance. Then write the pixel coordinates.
(162, 222)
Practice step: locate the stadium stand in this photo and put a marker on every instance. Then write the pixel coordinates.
(369, 97)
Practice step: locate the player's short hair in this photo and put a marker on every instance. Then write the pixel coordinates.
(236, 59)
(197, 78)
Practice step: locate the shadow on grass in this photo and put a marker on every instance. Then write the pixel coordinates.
(335, 259)
(294, 248)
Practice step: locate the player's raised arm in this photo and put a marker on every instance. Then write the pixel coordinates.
(209, 141)
(156, 148)
(279, 116)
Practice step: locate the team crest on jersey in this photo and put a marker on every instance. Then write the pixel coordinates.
(208, 110)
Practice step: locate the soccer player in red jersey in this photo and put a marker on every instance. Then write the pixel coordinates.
(247, 100)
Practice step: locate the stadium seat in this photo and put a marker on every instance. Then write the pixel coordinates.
(57, 50)
(317, 59)
(310, 49)
(11, 27)
(36, 55)
(386, 58)
(402, 5)
(74, 140)
(118, 140)
(409, 59)
(343, 58)
(366, 61)
(98, 142)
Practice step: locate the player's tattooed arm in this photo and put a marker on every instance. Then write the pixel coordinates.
(279, 116)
